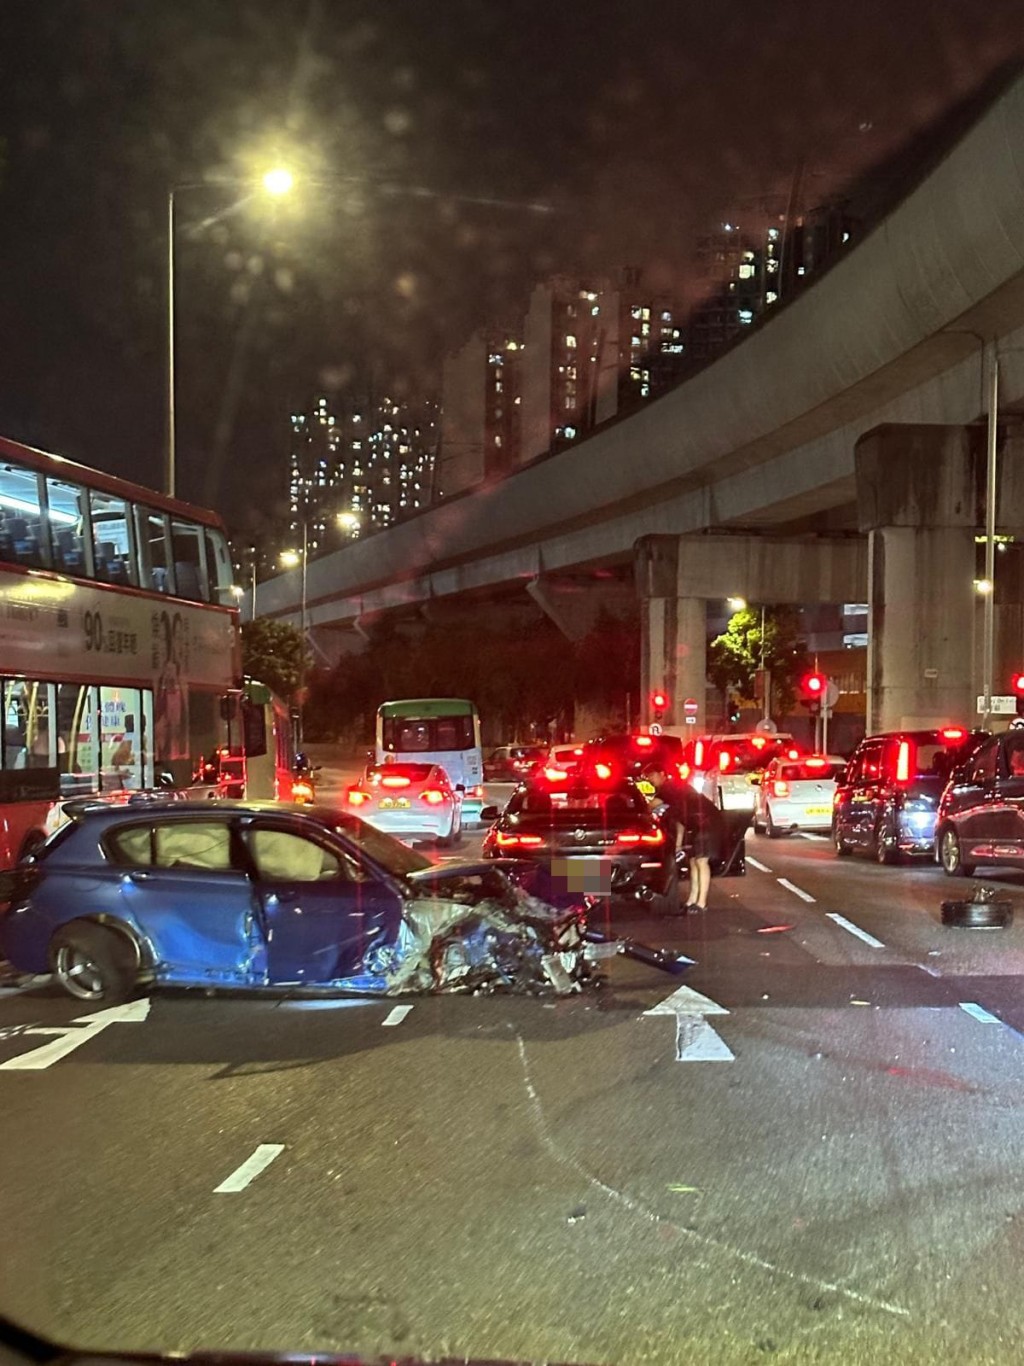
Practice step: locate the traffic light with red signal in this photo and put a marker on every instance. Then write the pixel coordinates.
(1017, 685)
(812, 690)
(659, 701)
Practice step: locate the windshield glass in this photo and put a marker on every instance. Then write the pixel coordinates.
(392, 855)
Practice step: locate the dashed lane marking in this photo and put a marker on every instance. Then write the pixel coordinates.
(250, 1169)
(396, 1016)
(809, 835)
(792, 887)
(848, 925)
(761, 867)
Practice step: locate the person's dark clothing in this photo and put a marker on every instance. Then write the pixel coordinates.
(699, 817)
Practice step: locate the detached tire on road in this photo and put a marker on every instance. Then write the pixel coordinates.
(978, 915)
(93, 962)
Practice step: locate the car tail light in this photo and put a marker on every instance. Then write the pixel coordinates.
(952, 735)
(792, 754)
(394, 780)
(758, 741)
(684, 771)
(643, 741)
(903, 762)
(433, 796)
(602, 771)
(814, 761)
(512, 841)
(649, 837)
(780, 788)
(356, 798)
(556, 775)
(698, 754)
(724, 760)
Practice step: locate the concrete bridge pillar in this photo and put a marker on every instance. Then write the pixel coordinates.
(676, 576)
(918, 499)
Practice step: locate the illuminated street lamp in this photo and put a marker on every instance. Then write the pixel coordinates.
(348, 521)
(276, 182)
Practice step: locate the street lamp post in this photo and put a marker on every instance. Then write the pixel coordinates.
(292, 559)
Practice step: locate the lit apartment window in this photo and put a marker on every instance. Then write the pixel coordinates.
(666, 317)
(645, 313)
(570, 341)
(745, 271)
(634, 312)
(569, 432)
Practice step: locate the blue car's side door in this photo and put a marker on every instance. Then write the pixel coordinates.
(321, 908)
(185, 884)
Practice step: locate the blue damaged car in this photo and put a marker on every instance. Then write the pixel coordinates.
(229, 894)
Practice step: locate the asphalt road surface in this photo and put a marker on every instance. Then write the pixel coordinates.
(811, 1152)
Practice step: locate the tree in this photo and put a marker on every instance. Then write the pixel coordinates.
(734, 657)
(273, 652)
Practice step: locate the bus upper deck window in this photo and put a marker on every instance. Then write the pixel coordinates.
(113, 558)
(23, 538)
(189, 574)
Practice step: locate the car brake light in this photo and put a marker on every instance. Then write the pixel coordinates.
(510, 841)
(792, 754)
(356, 798)
(724, 760)
(602, 771)
(433, 796)
(903, 762)
(556, 775)
(684, 771)
(698, 754)
(953, 734)
(641, 837)
(780, 788)
(758, 741)
(815, 762)
(394, 780)
(643, 741)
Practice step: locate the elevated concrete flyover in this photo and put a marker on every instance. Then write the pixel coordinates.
(763, 440)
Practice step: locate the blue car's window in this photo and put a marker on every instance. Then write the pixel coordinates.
(279, 854)
(133, 847)
(203, 845)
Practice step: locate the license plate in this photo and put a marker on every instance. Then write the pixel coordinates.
(593, 875)
(645, 787)
(394, 803)
(819, 811)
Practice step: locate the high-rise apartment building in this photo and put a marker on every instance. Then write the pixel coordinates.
(481, 410)
(358, 466)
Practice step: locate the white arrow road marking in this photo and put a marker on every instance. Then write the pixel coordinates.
(250, 1169)
(49, 1053)
(696, 1041)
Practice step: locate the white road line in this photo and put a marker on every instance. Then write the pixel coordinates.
(808, 835)
(761, 867)
(250, 1169)
(845, 924)
(396, 1017)
(979, 1013)
(134, 1012)
(792, 887)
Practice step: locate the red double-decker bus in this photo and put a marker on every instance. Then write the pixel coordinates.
(118, 638)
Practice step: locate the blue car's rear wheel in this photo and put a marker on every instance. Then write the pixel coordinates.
(94, 963)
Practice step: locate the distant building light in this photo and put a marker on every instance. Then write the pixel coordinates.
(846, 237)
(569, 432)
(746, 315)
(801, 270)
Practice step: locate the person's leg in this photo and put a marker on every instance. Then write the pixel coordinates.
(700, 884)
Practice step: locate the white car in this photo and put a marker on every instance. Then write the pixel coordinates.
(728, 768)
(409, 801)
(797, 794)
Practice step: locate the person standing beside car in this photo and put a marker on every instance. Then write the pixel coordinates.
(698, 824)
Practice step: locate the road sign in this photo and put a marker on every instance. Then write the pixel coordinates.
(654, 728)
(767, 726)
(690, 706)
(999, 706)
(831, 694)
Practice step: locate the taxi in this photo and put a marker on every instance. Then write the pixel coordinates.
(410, 801)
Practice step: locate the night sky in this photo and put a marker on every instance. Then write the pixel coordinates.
(634, 124)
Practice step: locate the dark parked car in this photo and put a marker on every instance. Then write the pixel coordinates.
(886, 802)
(234, 894)
(512, 763)
(981, 814)
(592, 835)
